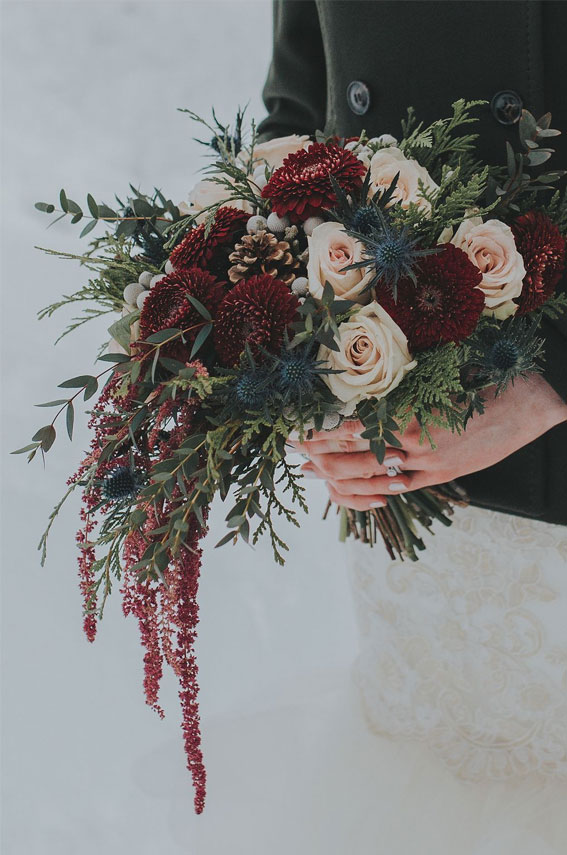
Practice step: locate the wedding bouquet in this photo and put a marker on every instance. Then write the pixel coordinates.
(304, 282)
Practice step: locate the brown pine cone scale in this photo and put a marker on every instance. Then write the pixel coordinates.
(262, 254)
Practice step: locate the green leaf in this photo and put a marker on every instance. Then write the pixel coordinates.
(78, 216)
(142, 208)
(114, 357)
(162, 335)
(46, 207)
(200, 338)
(126, 228)
(90, 389)
(31, 447)
(70, 419)
(63, 201)
(56, 403)
(161, 476)
(106, 213)
(46, 436)
(230, 536)
(76, 382)
(200, 308)
(535, 158)
(93, 207)
(88, 228)
(120, 329)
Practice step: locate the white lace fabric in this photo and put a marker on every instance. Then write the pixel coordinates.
(466, 649)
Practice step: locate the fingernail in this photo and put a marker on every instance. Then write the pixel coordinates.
(293, 435)
(359, 435)
(377, 504)
(396, 487)
(393, 461)
(308, 473)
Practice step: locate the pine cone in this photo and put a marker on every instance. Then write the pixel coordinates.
(260, 254)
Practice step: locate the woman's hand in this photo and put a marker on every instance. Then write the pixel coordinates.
(356, 480)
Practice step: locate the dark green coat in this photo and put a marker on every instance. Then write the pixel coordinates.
(428, 54)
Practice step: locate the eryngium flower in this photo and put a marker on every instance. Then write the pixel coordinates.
(392, 253)
(302, 185)
(257, 313)
(123, 483)
(542, 246)
(503, 351)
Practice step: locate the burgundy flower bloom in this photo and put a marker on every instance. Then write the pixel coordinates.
(301, 186)
(444, 306)
(196, 250)
(542, 246)
(167, 305)
(256, 312)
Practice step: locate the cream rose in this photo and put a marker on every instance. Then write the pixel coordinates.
(274, 152)
(386, 163)
(491, 247)
(373, 357)
(206, 193)
(331, 250)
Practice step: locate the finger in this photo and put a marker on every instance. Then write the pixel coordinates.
(357, 464)
(356, 503)
(346, 430)
(379, 485)
(331, 445)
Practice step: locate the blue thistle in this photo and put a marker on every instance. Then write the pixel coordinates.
(251, 389)
(502, 351)
(391, 252)
(123, 483)
(365, 219)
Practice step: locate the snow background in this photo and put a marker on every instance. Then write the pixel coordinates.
(90, 91)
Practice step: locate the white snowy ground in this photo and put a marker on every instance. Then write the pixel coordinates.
(90, 91)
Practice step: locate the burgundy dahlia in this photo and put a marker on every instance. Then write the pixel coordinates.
(167, 306)
(542, 246)
(444, 305)
(256, 312)
(301, 186)
(196, 250)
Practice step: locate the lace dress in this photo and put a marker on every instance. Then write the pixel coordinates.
(463, 655)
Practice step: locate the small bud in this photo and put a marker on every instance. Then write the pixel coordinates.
(145, 278)
(131, 292)
(300, 286)
(141, 299)
(311, 224)
(155, 279)
(168, 266)
(277, 224)
(256, 224)
(331, 421)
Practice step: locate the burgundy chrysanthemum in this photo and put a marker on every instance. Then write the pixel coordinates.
(197, 251)
(301, 186)
(445, 305)
(542, 246)
(167, 306)
(256, 312)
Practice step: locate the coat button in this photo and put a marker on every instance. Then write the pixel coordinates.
(506, 107)
(358, 97)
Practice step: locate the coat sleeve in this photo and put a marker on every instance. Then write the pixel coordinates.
(295, 89)
(555, 363)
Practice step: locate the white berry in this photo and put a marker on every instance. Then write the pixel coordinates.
(131, 292)
(311, 224)
(277, 224)
(155, 279)
(168, 266)
(256, 224)
(142, 299)
(145, 278)
(300, 286)
(331, 421)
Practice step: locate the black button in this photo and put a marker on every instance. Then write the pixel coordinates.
(506, 107)
(358, 97)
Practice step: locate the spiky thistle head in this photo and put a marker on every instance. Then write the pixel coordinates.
(251, 388)
(122, 483)
(504, 351)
